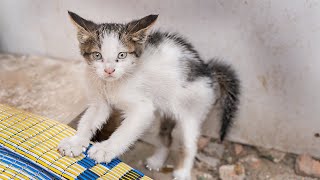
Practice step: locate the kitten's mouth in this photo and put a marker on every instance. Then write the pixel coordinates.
(109, 78)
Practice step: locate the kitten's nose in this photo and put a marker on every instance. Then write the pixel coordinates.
(109, 70)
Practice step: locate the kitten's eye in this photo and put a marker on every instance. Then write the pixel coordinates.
(96, 56)
(122, 55)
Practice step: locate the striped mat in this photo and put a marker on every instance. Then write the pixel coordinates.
(28, 146)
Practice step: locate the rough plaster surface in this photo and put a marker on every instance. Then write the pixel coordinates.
(273, 45)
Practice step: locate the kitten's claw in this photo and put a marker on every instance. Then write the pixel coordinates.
(71, 154)
(63, 153)
(84, 149)
(148, 167)
(154, 163)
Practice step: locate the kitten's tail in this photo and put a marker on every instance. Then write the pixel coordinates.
(229, 85)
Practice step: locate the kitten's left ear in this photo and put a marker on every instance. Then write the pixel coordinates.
(138, 29)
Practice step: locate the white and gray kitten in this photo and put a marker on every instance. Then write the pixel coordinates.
(147, 74)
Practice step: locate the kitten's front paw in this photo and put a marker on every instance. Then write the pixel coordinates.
(181, 174)
(101, 152)
(73, 146)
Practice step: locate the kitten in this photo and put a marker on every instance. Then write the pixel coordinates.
(146, 75)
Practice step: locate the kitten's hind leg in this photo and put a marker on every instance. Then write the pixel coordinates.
(190, 130)
(156, 161)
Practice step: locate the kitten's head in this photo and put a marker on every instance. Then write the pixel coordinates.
(112, 50)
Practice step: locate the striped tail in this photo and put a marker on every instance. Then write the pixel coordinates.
(229, 85)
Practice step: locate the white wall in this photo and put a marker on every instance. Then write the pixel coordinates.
(274, 45)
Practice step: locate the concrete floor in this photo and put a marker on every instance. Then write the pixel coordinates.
(50, 87)
(41, 85)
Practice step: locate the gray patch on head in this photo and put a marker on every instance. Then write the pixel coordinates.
(109, 28)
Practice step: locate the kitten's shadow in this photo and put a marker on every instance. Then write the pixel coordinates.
(108, 128)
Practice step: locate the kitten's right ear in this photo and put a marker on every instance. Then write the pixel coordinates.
(85, 27)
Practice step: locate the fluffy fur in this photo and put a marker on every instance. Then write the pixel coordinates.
(148, 74)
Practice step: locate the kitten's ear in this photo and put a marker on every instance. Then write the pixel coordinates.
(138, 29)
(85, 27)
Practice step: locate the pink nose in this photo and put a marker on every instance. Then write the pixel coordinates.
(109, 70)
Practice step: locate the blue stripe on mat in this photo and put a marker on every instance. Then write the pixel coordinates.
(20, 162)
(87, 174)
